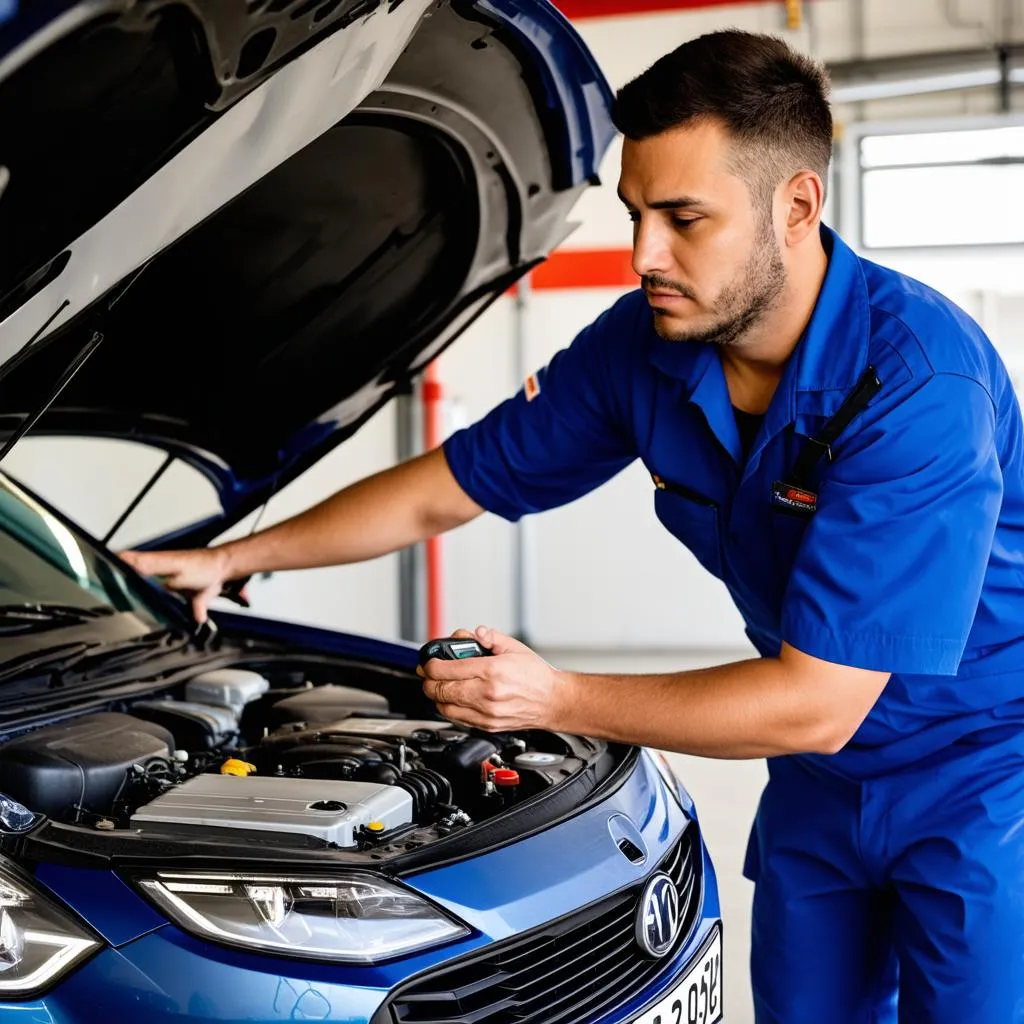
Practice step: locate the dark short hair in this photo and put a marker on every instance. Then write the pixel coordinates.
(772, 100)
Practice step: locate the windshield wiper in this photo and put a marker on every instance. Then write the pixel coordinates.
(51, 609)
(130, 652)
(94, 657)
(29, 616)
(48, 660)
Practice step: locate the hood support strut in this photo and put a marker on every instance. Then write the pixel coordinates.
(33, 418)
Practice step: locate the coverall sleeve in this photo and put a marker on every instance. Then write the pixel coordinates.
(890, 569)
(559, 437)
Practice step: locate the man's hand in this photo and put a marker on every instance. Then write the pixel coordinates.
(199, 574)
(515, 689)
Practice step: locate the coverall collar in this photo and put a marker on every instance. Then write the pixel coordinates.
(824, 367)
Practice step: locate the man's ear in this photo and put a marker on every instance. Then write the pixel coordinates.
(803, 197)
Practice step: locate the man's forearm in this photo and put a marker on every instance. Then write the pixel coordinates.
(383, 513)
(757, 708)
(796, 703)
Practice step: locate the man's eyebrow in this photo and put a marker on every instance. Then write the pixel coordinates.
(678, 203)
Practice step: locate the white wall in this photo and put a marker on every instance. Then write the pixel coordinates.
(601, 572)
(478, 372)
(605, 572)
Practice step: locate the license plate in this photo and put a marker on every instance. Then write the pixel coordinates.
(697, 999)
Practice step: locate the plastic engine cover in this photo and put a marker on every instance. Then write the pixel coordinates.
(328, 809)
(227, 687)
(193, 726)
(82, 762)
(327, 703)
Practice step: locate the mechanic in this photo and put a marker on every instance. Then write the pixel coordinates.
(843, 447)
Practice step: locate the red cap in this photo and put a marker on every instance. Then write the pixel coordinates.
(505, 777)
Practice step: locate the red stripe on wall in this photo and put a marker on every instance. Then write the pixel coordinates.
(607, 8)
(586, 268)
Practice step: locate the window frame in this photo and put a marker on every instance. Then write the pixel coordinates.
(851, 172)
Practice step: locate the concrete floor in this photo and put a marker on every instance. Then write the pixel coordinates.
(726, 795)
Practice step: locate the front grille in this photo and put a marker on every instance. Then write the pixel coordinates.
(566, 972)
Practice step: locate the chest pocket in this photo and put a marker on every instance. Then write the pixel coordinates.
(691, 518)
(787, 535)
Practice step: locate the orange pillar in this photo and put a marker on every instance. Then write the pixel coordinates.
(433, 399)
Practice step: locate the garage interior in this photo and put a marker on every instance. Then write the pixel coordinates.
(928, 115)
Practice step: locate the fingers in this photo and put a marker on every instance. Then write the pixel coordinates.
(201, 603)
(152, 563)
(492, 639)
(140, 561)
(467, 668)
(499, 643)
(447, 691)
(473, 719)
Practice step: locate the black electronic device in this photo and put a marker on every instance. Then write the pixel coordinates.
(452, 649)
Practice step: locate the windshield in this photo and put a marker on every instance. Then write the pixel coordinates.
(43, 562)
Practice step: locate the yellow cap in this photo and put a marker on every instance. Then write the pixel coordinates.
(233, 766)
(375, 826)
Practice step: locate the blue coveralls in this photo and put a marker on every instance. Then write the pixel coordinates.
(893, 871)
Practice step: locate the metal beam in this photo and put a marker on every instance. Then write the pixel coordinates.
(610, 8)
(412, 568)
(914, 74)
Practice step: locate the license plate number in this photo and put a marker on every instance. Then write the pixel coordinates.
(697, 999)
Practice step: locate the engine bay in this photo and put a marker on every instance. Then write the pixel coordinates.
(240, 752)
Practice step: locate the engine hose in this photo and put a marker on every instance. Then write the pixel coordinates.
(417, 790)
(442, 785)
(427, 788)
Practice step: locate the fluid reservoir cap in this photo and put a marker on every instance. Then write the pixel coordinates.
(538, 759)
(234, 766)
(375, 826)
(328, 805)
(505, 777)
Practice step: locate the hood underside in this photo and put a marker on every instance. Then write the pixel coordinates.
(275, 213)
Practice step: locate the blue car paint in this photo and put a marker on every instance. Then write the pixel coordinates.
(113, 909)
(574, 82)
(166, 974)
(393, 653)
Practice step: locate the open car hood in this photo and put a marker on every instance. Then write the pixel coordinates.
(274, 212)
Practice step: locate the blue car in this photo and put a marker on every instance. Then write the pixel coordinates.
(233, 230)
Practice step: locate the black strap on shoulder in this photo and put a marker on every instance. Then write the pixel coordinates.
(820, 446)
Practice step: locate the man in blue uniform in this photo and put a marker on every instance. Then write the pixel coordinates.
(843, 448)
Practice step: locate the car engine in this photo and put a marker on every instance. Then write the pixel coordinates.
(245, 751)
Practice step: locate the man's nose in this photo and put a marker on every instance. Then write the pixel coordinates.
(651, 250)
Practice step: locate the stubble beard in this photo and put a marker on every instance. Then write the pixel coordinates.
(741, 305)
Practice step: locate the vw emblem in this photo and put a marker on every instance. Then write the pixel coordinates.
(657, 918)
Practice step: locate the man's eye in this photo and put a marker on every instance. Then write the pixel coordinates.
(685, 222)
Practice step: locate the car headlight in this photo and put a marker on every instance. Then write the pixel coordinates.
(38, 940)
(668, 776)
(355, 919)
